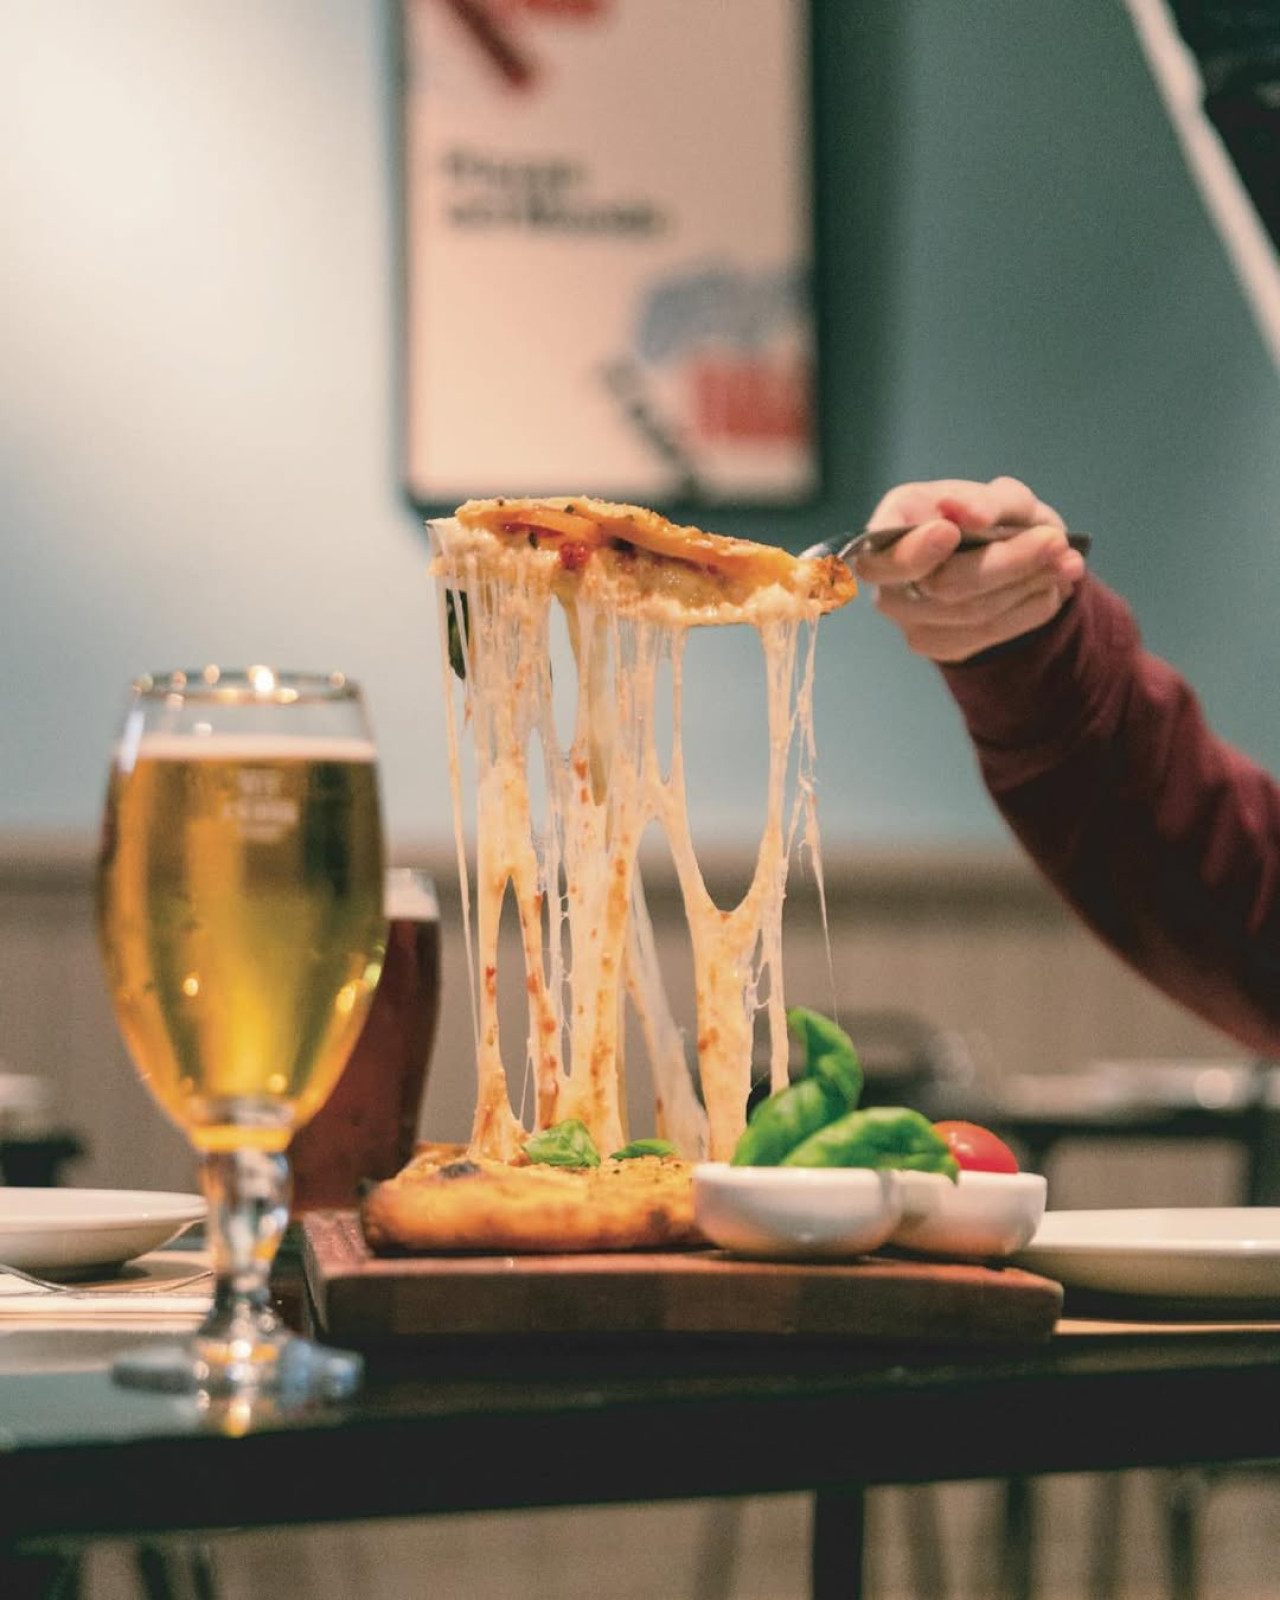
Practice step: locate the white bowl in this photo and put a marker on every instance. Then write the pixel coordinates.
(980, 1216)
(1178, 1252)
(795, 1213)
(66, 1230)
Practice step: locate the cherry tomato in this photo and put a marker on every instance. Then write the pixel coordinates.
(977, 1149)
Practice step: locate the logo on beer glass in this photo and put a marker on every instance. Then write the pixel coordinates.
(260, 813)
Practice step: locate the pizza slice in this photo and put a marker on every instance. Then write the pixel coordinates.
(561, 810)
(648, 563)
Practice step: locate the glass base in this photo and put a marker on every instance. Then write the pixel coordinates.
(285, 1369)
(243, 1362)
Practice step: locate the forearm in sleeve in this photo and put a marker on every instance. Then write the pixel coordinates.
(1165, 839)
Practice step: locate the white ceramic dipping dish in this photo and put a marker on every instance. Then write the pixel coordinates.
(981, 1216)
(795, 1213)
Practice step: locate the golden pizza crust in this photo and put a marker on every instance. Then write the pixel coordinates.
(652, 556)
(446, 1200)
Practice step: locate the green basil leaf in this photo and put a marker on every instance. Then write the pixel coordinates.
(880, 1136)
(458, 619)
(829, 1086)
(564, 1144)
(829, 1054)
(644, 1147)
(784, 1120)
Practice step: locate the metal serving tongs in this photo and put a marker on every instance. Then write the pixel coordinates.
(848, 546)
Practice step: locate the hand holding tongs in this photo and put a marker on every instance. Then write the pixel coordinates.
(848, 546)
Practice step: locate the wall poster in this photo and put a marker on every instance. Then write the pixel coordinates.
(608, 245)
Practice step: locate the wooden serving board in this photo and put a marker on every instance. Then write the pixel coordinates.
(361, 1297)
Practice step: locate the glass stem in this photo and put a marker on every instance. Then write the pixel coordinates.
(248, 1195)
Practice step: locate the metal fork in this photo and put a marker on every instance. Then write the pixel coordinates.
(120, 1286)
(848, 546)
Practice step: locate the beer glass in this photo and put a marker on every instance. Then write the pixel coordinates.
(240, 913)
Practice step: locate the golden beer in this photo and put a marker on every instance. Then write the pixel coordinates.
(241, 918)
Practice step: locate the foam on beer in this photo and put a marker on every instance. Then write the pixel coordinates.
(242, 747)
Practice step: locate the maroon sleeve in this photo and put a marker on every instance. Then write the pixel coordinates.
(1164, 839)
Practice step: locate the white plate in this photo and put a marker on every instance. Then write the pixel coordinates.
(981, 1216)
(795, 1213)
(1222, 1252)
(70, 1230)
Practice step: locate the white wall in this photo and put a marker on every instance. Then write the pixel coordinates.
(199, 412)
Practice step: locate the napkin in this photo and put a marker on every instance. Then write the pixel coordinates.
(163, 1286)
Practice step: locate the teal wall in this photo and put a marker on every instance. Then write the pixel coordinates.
(198, 366)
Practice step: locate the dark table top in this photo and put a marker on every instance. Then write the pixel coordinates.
(479, 1425)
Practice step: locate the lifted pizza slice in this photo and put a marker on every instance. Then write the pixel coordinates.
(645, 561)
(559, 817)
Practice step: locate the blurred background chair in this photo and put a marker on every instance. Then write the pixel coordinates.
(1235, 1101)
(34, 1148)
(910, 1061)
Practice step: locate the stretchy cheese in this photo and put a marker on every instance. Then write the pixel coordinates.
(559, 826)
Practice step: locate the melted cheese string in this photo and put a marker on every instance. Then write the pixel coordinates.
(587, 939)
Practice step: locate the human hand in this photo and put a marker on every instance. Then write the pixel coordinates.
(952, 605)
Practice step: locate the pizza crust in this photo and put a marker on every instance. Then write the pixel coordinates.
(638, 562)
(446, 1200)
